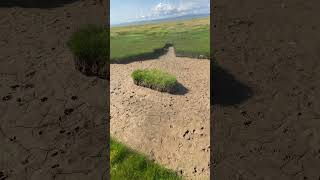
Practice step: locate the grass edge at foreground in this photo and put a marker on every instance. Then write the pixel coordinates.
(154, 79)
(126, 164)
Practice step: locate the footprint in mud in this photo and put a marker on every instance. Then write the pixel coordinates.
(55, 166)
(14, 87)
(243, 113)
(3, 176)
(29, 86)
(20, 101)
(185, 133)
(77, 129)
(31, 74)
(12, 139)
(24, 162)
(188, 135)
(44, 99)
(7, 98)
(247, 123)
(62, 131)
(54, 154)
(74, 98)
(194, 170)
(68, 111)
(181, 172)
(206, 149)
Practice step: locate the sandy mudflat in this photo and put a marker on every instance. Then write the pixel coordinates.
(271, 48)
(172, 129)
(52, 118)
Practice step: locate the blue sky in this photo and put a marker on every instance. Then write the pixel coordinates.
(135, 10)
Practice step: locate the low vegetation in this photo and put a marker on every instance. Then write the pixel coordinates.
(91, 44)
(126, 164)
(189, 37)
(154, 79)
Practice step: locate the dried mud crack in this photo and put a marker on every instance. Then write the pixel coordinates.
(51, 124)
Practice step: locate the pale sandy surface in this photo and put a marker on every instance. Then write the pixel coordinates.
(173, 129)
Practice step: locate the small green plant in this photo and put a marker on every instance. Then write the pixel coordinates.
(154, 79)
(126, 164)
(90, 44)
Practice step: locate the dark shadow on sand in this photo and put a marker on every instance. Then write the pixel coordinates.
(143, 57)
(35, 3)
(180, 90)
(225, 89)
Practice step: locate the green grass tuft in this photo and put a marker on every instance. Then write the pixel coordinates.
(154, 79)
(127, 164)
(90, 44)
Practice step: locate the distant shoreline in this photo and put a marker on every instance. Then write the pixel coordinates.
(178, 18)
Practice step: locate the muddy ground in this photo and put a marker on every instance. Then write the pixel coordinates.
(53, 125)
(172, 129)
(265, 114)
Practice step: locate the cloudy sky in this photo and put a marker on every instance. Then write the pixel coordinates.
(134, 10)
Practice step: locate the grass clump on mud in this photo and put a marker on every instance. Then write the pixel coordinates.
(90, 47)
(127, 164)
(90, 43)
(154, 79)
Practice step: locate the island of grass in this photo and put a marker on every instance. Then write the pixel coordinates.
(154, 79)
(127, 164)
(90, 47)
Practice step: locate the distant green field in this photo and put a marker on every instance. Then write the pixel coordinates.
(189, 37)
(126, 164)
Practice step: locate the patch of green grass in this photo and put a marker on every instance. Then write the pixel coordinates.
(127, 164)
(90, 44)
(189, 37)
(154, 79)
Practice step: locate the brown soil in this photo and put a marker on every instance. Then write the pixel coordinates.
(266, 90)
(172, 129)
(53, 121)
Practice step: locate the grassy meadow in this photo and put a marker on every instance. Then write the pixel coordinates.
(189, 37)
(125, 164)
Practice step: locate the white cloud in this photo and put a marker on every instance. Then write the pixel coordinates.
(165, 9)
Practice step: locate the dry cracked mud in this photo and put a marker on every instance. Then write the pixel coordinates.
(51, 124)
(271, 48)
(172, 129)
